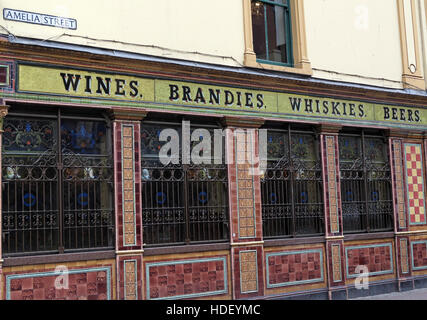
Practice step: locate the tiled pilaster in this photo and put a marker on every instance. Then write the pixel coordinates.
(127, 166)
(336, 262)
(398, 179)
(3, 112)
(245, 208)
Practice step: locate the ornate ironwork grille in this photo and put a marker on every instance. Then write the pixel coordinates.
(182, 203)
(366, 190)
(291, 188)
(57, 184)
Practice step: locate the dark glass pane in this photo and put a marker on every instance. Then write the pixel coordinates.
(350, 148)
(258, 29)
(31, 196)
(303, 147)
(276, 30)
(365, 184)
(29, 193)
(87, 188)
(3, 74)
(300, 176)
(29, 135)
(83, 137)
(150, 140)
(277, 145)
(183, 202)
(207, 202)
(376, 150)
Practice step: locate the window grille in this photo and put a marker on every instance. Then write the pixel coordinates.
(366, 191)
(291, 188)
(57, 176)
(181, 203)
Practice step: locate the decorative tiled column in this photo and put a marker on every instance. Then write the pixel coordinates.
(3, 112)
(401, 222)
(245, 207)
(332, 208)
(127, 172)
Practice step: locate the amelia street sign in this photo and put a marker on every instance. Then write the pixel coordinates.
(39, 18)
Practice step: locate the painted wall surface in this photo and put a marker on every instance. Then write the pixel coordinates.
(207, 31)
(354, 40)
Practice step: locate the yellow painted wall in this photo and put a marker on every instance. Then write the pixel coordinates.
(201, 30)
(354, 40)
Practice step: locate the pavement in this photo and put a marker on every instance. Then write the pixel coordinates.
(418, 294)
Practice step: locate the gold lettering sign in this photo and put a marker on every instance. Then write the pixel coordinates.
(213, 96)
(86, 84)
(162, 93)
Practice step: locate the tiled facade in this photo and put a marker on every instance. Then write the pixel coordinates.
(246, 265)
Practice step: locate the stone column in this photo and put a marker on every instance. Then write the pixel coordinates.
(333, 212)
(128, 214)
(247, 254)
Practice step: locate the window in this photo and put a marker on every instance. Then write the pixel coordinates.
(57, 184)
(275, 36)
(366, 192)
(181, 203)
(291, 189)
(271, 29)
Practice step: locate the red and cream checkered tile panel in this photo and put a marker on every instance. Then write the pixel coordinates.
(415, 183)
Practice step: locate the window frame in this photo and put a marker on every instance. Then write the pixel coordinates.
(299, 56)
(61, 155)
(366, 184)
(186, 184)
(294, 184)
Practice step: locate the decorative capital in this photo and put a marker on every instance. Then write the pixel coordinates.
(330, 129)
(240, 122)
(3, 113)
(132, 114)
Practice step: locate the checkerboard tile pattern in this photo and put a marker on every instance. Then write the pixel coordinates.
(419, 255)
(377, 257)
(293, 268)
(186, 279)
(415, 183)
(82, 285)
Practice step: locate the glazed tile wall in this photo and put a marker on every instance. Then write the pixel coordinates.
(294, 267)
(248, 273)
(419, 254)
(187, 278)
(378, 257)
(403, 251)
(414, 174)
(128, 209)
(92, 280)
(331, 185)
(128, 185)
(129, 277)
(398, 184)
